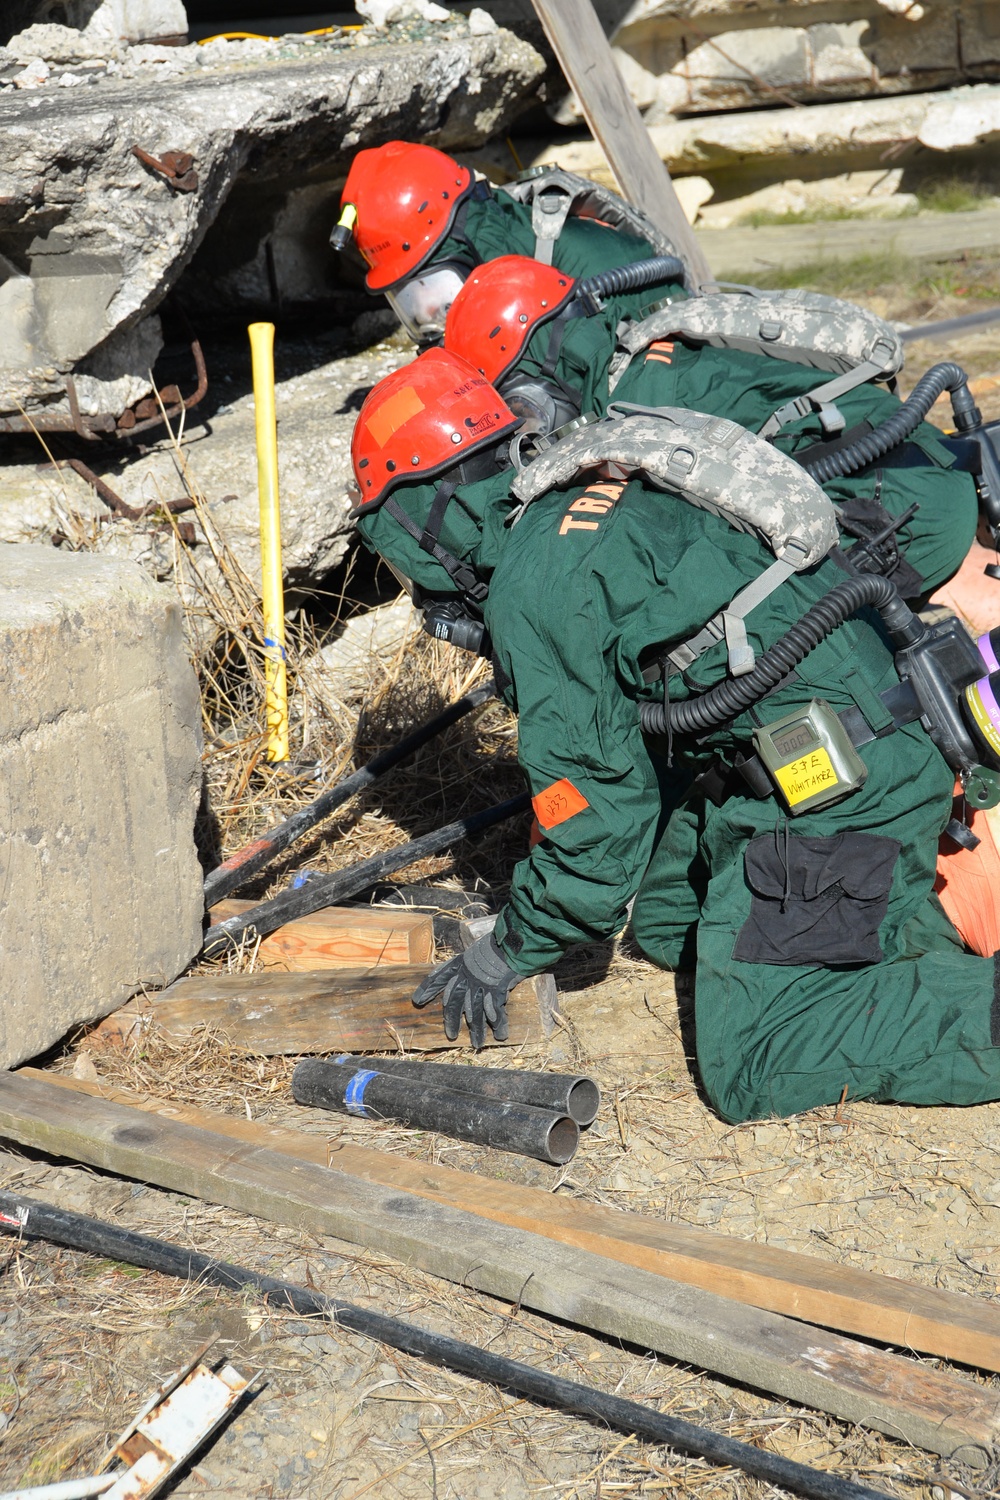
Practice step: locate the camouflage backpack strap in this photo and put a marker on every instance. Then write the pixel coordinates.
(805, 328)
(554, 195)
(717, 465)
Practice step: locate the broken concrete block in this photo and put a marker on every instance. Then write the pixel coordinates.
(367, 644)
(101, 773)
(866, 194)
(275, 116)
(826, 138)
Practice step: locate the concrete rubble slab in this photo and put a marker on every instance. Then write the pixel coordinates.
(92, 238)
(100, 764)
(856, 134)
(317, 403)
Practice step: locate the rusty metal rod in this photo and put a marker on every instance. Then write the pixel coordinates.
(115, 503)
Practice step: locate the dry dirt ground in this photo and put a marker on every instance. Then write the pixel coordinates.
(908, 1192)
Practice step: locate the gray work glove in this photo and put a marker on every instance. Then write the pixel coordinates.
(475, 985)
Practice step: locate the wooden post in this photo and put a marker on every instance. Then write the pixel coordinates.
(584, 53)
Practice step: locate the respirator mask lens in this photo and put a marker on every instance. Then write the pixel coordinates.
(422, 303)
(541, 406)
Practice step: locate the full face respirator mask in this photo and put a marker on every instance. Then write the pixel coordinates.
(543, 405)
(421, 304)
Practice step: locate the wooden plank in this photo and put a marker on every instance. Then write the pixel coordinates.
(342, 937)
(856, 1382)
(326, 1010)
(950, 1325)
(577, 38)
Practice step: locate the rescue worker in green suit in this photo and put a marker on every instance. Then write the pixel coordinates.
(748, 387)
(824, 962)
(510, 321)
(421, 222)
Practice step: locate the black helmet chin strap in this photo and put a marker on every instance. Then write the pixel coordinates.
(465, 577)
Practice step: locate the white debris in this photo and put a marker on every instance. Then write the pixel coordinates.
(69, 80)
(381, 12)
(62, 44)
(906, 8)
(963, 121)
(34, 75)
(481, 23)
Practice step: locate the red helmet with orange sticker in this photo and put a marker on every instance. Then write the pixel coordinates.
(400, 201)
(423, 420)
(498, 309)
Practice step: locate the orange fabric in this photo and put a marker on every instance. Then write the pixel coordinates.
(400, 407)
(557, 803)
(535, 834)
(968, 883)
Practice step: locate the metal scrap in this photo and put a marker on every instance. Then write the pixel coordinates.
(146, 414)
(165, 1436)
(176, 167)
(120, 507)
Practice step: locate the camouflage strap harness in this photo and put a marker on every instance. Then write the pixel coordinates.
(802, 327)
(554, 195)
(717, 465)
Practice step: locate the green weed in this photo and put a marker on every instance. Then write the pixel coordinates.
(954, 195)
(757, 218)
(838, 278)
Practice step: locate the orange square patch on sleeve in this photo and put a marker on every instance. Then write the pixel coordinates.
(558, 802)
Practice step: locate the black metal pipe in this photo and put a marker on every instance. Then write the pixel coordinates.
(950, 325)
(78, 1232)
(239, 867)
(565, 1093)
(327, 890)
(360, 1089)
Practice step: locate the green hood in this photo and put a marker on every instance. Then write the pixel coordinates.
(498, 226)
(473, 530)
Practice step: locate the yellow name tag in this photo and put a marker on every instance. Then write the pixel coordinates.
(803, 778)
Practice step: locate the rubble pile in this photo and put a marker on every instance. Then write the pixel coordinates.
(743, 96)
(116, 160)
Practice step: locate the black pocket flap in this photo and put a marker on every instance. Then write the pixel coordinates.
(861, 864)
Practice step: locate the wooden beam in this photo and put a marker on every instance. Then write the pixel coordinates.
(856, 1382)
(949, 1325)
(577, 38)
(327, 1010)
(342, 937)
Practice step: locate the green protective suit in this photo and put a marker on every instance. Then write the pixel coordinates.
(747, 388)
(499, 226)
(823, 959)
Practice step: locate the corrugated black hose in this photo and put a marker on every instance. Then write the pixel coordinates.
(946, 376)
(728, 699)
(631, 278)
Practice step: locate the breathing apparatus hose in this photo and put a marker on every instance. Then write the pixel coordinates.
(631, 278)
(946, 376)
(728, 699)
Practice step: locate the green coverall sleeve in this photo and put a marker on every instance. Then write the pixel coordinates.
(591, 779)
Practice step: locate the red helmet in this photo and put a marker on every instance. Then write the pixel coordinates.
(499, 308)
(422, 420)
(403, 199)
